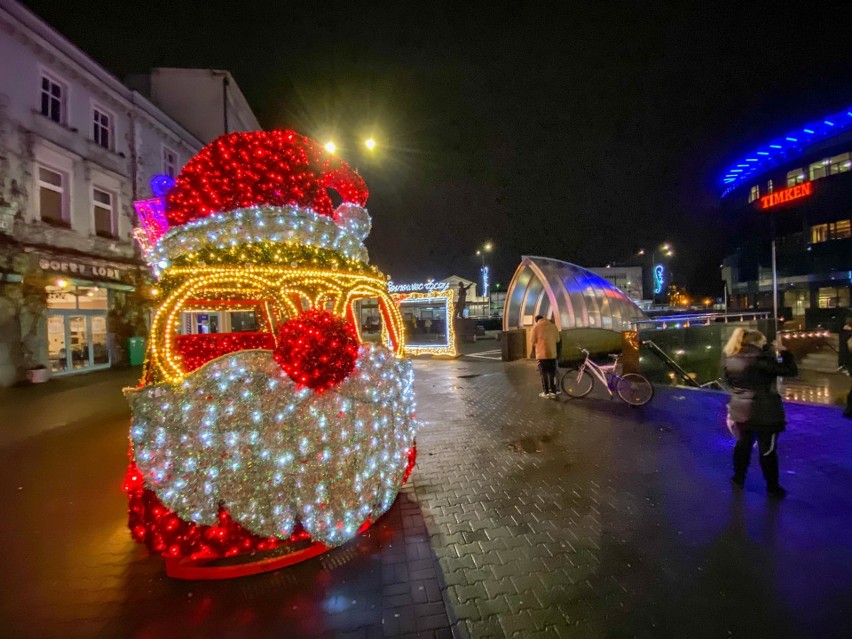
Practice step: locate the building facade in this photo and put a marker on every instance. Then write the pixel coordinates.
(207, 102)
(628, 279)
(798, 189)
(77, 147)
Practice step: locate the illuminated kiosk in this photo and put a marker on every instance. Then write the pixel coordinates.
(571, 296)
(427, 310)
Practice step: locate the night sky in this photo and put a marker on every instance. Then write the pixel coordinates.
(579, 131)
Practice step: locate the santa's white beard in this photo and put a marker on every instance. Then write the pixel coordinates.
(240, 433)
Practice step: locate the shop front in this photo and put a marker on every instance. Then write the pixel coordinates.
(77, 328)
(67, 314)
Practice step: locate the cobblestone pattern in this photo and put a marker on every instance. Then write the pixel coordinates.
(589, 518)
(523, 518)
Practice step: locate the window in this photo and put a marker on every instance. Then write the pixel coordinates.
(754, 194)
(170, 162)
(819, 169)
(104, 209)
(840, 230)
(52, 99)
(796, 176)
(769, 187)
(839, 163)
(102, 128)
(51, 196)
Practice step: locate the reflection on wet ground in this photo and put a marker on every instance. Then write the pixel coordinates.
(817, 388)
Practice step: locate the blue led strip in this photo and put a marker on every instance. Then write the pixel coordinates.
(783, 149)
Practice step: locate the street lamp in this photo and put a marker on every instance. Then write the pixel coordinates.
(370, 143)
(331, 147)
(486, 248)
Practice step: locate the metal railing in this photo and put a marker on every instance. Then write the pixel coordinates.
(697, 319)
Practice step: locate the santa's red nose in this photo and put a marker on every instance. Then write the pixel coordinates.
(317, 349)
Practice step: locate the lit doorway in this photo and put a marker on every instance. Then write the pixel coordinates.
(77, 329)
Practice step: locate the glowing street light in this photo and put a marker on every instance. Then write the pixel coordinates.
(370, 143)
(331, 147)
(486, 248)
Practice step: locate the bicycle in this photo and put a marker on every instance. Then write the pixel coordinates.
(632, 388)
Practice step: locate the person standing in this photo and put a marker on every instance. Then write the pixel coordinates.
(843, 346)
(755, 407)
(544, 337)
(461, 302)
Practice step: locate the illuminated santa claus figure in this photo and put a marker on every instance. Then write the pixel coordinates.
(276, 443)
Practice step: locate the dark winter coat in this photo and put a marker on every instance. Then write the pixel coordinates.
(750, 375)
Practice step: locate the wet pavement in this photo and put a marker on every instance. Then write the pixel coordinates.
(523, 518)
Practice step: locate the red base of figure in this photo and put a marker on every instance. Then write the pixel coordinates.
(213, 552)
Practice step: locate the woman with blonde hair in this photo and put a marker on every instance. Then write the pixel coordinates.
(755, 407)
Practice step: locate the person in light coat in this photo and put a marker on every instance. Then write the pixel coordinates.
(544, 338)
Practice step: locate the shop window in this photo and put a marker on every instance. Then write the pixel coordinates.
(754, 194)
(819, 169)
(827, 298)
(103, 204)
(796, 176)
(69, 297)
(840, 163)
(369, 318)
(102, 126)
(52, 196)
(170, 162)
(53, 99)
(242, 321)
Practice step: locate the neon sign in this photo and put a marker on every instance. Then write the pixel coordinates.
(659, 278)
(786, 195)
(416, 287)
(484, 281)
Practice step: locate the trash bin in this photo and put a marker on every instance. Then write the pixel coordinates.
(136, 350)
(513, 343)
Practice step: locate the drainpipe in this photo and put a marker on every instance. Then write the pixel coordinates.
(225, 84)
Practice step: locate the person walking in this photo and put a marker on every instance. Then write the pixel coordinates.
(544, 337)
(755, 407)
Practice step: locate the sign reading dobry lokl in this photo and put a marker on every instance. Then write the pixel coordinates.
(81, 267)
(786, 195)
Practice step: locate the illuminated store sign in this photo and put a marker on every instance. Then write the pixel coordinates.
(418, 287)
(786, 195)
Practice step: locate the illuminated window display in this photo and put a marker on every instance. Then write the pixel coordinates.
(427, 321)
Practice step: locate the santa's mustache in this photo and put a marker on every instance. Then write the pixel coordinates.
(238, 432)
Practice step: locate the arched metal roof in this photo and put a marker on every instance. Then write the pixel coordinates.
(573, 296)
(784, 148)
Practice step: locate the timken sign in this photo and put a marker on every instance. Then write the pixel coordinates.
(786, 195)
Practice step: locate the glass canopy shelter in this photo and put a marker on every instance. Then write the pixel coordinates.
(570, 295)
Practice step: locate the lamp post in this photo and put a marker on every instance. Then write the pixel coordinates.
(486, 292)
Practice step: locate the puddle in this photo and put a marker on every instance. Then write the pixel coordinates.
(525, 445)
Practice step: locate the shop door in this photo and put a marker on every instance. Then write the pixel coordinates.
(77, 341)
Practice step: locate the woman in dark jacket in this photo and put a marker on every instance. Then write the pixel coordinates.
(751, 369)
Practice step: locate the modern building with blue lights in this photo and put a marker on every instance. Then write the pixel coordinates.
(797, 187)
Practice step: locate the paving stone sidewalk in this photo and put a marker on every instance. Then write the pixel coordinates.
(524, 518)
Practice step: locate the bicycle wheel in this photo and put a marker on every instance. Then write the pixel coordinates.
(634, 389)
(577, 383)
